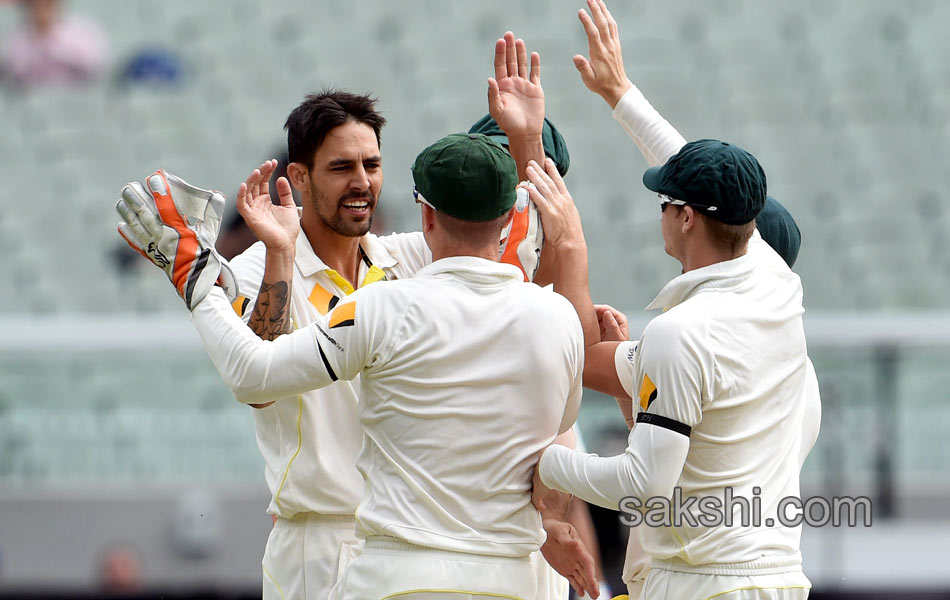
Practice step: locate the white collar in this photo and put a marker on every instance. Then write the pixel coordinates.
(309, 263)
(472, 268)
(719, 275)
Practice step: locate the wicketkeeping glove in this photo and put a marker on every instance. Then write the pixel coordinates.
(521, 241)
(175, 225)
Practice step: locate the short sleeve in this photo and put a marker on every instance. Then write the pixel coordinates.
(625, 359)
(673, 370)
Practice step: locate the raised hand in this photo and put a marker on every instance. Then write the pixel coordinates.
(603, 73)
(515, 96)
(275, 225)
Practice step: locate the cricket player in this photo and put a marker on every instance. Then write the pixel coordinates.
(454, 362)
(721, 377)
(310, 442)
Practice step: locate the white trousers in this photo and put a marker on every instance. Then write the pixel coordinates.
(388, 569)
(306, 555)
(663, 584)
(551, 584)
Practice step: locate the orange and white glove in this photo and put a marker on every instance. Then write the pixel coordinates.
(521, 240)
(175, 225)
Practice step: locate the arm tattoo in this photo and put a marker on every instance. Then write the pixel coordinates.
(271, 316)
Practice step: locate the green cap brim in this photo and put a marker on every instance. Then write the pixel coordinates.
(501, 139)
(651, 178)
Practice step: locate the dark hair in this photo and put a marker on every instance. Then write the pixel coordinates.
(309, 123)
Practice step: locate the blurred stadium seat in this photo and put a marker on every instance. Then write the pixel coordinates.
(846, 103)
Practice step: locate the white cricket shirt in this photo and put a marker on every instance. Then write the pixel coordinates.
(310, 442)
(467, 373)
(720, 379)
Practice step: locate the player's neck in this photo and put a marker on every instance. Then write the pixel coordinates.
(706, 255)
(440, 251)
(338, 252)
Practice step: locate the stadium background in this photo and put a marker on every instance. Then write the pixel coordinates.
(117, 436)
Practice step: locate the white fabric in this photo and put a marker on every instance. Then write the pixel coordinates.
(658, 140)
(454, 362)
(388, 569)
(551, 584)
(624, 358)
(665, 584)
(728, 359)
(305, 556)
(653, 135)
(310, 443)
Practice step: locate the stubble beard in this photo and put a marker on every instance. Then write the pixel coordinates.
(337, 222)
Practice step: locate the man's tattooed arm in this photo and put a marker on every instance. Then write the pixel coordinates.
(271, 316)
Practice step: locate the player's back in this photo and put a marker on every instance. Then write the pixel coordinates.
(481, 372)
(747, 333)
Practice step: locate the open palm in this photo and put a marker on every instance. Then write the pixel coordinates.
(275, 225)
(515, 97)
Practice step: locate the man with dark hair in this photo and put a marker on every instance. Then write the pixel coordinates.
(309, 443)
(454, 362)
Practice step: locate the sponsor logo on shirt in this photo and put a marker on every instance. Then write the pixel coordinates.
(647, 392)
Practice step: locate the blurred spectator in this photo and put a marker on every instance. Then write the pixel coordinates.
(157, 67)
(120, 570)
(53, 48)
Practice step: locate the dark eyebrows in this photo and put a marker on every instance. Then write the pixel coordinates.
(345, 162)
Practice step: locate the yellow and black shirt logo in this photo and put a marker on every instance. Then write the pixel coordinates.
(343, 316)
(647, 392)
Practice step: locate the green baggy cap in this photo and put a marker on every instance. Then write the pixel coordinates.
(467, 176)
(779, 230)
(555, 147)
(725, 181)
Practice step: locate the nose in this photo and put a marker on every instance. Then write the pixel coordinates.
(360, 179)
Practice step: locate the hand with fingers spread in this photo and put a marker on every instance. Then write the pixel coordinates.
(559, 216)
(603, 73)
(515, 96)
(275, 225)
(613, 324)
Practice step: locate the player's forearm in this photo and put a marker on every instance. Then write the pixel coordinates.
(271, 315)
(650, 467)
(600, 374)
(654, 136)
(571, 281)
(556, 504)
(257, 371)
(523, 149)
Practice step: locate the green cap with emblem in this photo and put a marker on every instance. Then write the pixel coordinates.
(723, 181)
(467, 176)
(555, 147)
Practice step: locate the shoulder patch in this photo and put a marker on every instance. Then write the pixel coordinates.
(322, 300)
(344, 315)
(240, 305)
(647, 392)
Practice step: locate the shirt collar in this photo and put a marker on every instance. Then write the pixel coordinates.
(472, 267)
(309, 263)
(720, 275)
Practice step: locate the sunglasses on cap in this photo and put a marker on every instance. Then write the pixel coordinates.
(667, 200)
(420, 199)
